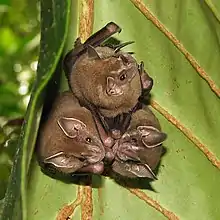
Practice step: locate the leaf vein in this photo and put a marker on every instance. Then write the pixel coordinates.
(68, 210)
(86, 19)
(211, 157)
(87, 204)
(213, 10)
(143, 196)
(146, 12)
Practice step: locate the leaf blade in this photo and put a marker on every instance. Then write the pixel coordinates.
(16, 193)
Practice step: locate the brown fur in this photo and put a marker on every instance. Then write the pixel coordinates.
(144, 117)
(88, 82)
(133, 158)
(53, 140)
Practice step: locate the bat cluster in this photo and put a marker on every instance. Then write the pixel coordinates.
(101, 120)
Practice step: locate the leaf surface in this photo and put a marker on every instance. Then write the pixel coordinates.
(179, 44)
(54, 18)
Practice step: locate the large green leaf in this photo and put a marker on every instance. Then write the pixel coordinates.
(54, 30)
(179, 44)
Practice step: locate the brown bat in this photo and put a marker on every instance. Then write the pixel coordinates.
(105, 80)
(69, 140)
(138, 151)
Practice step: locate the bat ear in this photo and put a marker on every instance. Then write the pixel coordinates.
(64, 163)
(150, 136)
(70, 126)
(93, 53)
(77, 43)
(146, 81)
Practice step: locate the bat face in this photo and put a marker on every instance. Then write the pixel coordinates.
(115, 75)
(80, 149)
(134, 159)
(139, 150)
(119, 81)
(133, 144)
(69, 141)
(86, 144)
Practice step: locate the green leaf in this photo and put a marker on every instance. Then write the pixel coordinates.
(179, 44)
(54, 28)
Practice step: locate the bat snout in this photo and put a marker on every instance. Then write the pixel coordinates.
(112, 89)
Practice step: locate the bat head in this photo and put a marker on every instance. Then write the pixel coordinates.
(107, 79)
(138, 152)
(120, 69)
(78, 148)
(145, 136)
(119, 80)
(82, 139)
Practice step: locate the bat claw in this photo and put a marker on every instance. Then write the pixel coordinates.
(109, 142)
(109, 155)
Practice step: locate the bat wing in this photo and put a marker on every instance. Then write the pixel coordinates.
(140, 154)
(64, 163)
(150, 156)
(70, 164)
(146, 82)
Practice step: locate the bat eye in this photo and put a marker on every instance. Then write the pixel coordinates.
(88, 140)
(134, 140)
(123, 76)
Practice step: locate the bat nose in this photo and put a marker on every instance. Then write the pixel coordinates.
(112, 92)
(112, 89)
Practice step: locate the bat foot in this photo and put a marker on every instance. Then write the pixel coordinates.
(109, 142)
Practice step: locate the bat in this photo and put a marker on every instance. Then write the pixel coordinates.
(69, 141)
(138, 151)
(146, 82)
(106, 80)
(114, 83)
